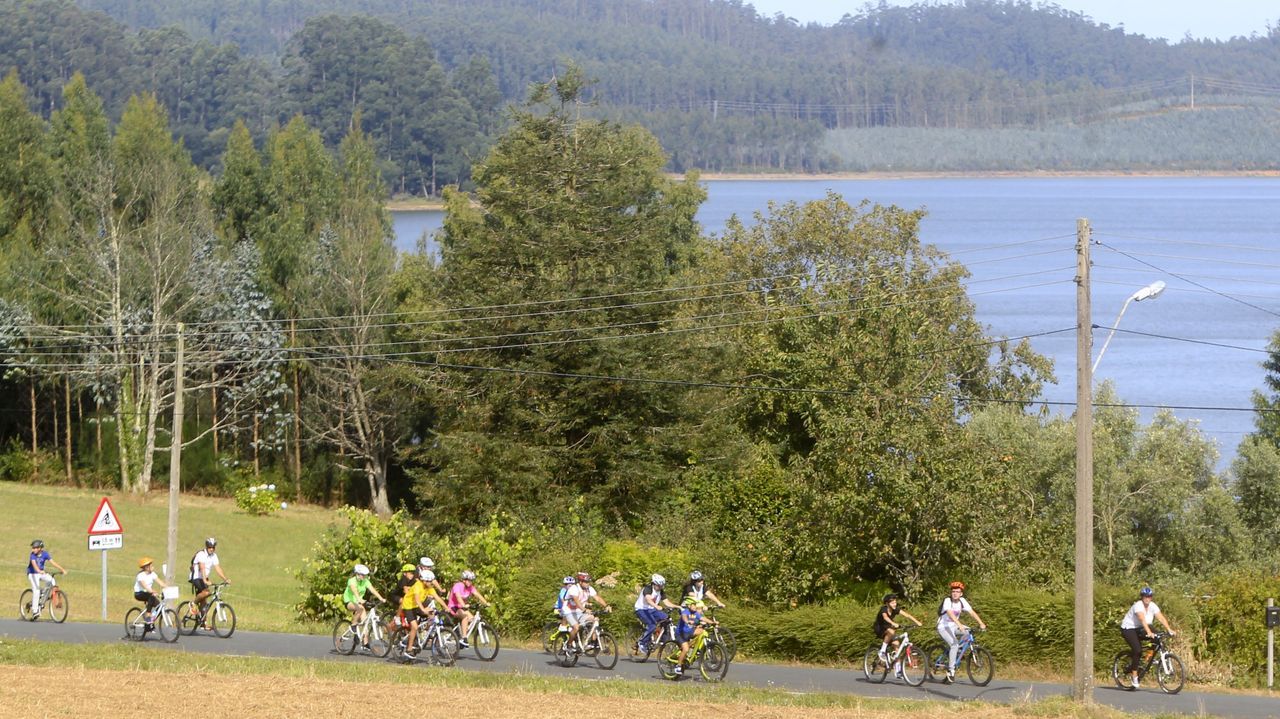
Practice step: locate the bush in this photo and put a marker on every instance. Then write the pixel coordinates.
(1231, 610)
(258, 499)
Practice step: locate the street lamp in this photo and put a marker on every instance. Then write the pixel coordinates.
(1149, 292)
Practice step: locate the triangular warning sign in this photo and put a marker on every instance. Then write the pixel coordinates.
(105, 520)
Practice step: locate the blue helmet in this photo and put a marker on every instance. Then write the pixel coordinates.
(1147, 592)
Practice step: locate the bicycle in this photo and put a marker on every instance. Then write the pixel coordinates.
(433, 637)
(215, 615)
(979, 664)
(370, 632)
(1169, 672)
(592, 641)
(162, 619)
(639, 642)
(51, 597)
(705, 652)
(480, 635)
(908, 661)
(725, 638)
(549, 631)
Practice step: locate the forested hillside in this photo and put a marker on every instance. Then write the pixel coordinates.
(722, 88)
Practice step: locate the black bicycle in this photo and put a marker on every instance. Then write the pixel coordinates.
(1169, 672)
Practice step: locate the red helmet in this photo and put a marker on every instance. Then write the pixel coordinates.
(584, 577)
(957, 585)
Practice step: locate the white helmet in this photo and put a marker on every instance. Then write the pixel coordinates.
(469, 576)
(659, 580)
(428, 575)
(361, 570)
(426, 562)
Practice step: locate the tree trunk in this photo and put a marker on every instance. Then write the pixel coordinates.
(297, 420)
(377, 474)
(35, 443)
(213, 394)
(257, 467)
(66, 386)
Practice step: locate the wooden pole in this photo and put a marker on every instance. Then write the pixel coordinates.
(175, 461)
(1082, 687)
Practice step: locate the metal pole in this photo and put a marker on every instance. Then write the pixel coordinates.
(1082, 686)
(175, 462)
(104, 585)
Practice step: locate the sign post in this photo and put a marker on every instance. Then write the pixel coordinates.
(105, 533)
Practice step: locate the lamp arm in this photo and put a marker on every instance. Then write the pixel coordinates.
(1111, 334)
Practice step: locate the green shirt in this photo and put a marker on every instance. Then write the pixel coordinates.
(356, 589)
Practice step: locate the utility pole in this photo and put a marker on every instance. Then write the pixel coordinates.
(1193, 91)
(175, 462)
(1082, 686)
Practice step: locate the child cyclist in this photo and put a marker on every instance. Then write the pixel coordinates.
(885, 627)
(144, 588)
(950, 628)
(38, 576)
(692, 621)
(459, 595)
(353, 596)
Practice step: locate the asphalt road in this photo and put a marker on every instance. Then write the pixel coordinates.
(798, 679)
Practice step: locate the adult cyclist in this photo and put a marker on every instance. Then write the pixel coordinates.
(1137, 624)
(649, 609)
(696, 587)
(204, 560)
(576, 601)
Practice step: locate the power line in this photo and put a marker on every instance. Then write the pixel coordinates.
(1189, 281)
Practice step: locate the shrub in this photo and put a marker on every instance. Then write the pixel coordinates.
(258, 499)
(1231, 610)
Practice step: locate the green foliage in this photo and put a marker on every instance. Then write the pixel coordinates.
(1257, 484)
(258, 499)
(1231, 606)
(1267, 419)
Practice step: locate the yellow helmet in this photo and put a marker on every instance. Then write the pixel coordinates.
(144, 562)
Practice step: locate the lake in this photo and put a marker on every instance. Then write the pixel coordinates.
(1212, 240)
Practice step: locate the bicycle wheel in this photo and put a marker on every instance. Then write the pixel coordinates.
(606, 655)
(223, 619)
(486, 641)
(713, 665)
(187, 624)
(1170, 674)
(727, 640)
(444, 647)
(668, 657)
(167, 626)
(981, 666)
(344, 637)
(549, 631)
(132, 627)
(873, 666)
(396, 641)
(380, 639)
(58, 605)
(24, 606)
(565, 654)
(915, 665)
(1120, 669)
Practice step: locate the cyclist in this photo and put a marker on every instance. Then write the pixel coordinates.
(204, 560)
(696, 587)
(144, 587)
(1137, 624)
(558, 608)
(576, 600)
(412, 593)
(692, 620)
(885, 627)
(950, 628)
(427, 567)
(353, 596)
(36, 574)
(459, 594)
(649, 609)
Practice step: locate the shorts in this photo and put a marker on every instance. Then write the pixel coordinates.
(573, 617)
(880, 628)
(684, 632)
(198, 585)
(147, 597)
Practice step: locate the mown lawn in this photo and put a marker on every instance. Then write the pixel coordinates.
(261, 555)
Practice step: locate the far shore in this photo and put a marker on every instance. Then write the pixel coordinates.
(426, 204)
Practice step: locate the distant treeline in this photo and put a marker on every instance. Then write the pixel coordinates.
(720, 86)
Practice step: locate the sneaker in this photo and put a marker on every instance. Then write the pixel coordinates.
(951, 676)
(463, 643)
(1134, 684)
(678, 670)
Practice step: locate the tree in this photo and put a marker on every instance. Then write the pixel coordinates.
(26, 177)
(1267, 419)
(240, 200)
(575, 217)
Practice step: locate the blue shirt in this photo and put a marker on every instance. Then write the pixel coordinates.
(39, 558)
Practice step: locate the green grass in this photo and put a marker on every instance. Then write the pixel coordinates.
(261, 555)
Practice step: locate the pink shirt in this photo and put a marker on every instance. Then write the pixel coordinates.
(459, 593)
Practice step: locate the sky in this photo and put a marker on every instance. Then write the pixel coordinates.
(1169, 19)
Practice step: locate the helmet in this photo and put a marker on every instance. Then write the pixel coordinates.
(568, 580)
(695, 576)
(361, 570)
(144, 562)
(408, 568)
(1147, 592)
(583, 577)
(426, 562)
(957, 585)
(689, 600)
(468, 575)
(210, 542)
(890, 597)
(659, 580)
(37, 544)
(428, 575)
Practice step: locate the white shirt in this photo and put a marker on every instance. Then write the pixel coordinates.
(648, 590)
(959, 607)
(202, 564)
(1131, 620)
(144, 581)
(576, 598)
